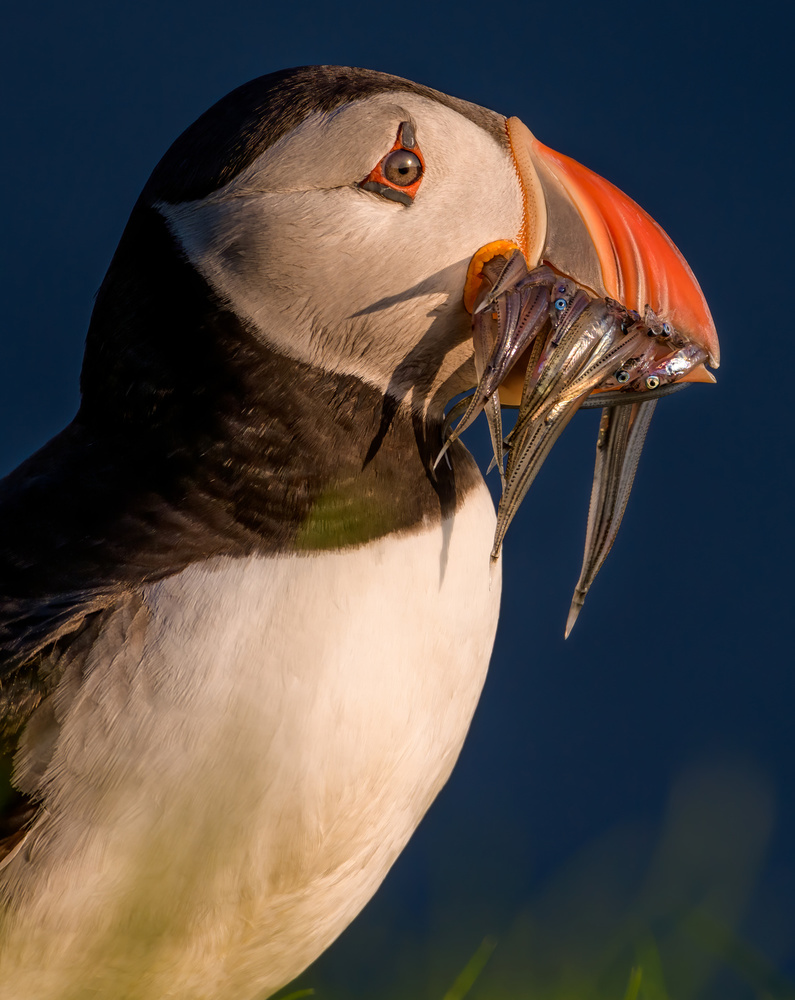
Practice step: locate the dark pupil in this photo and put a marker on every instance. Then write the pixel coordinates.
(402, 167)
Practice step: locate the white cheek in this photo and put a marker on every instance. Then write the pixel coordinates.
(347, 279)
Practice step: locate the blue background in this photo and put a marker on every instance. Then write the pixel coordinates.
(626, 797)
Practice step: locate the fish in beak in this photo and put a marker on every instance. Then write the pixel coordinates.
(590, 304)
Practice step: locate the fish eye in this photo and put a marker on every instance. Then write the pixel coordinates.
(402, 167)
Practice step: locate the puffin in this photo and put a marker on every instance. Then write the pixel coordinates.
(246, 611)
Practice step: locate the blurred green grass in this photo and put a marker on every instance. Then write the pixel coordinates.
(635, 915)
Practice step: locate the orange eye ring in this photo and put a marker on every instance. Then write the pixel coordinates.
(389, 178)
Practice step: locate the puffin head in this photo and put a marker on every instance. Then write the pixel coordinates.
(337, 210)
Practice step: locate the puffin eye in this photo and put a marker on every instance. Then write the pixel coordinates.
(399, 173)
(401, 167)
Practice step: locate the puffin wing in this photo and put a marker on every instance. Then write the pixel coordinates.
(82, 530)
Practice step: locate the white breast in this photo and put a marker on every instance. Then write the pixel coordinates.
(250, 782)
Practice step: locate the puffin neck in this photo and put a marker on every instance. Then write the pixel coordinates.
(300, 457)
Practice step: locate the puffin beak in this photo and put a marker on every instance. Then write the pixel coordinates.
(590, 297)
(592, 232)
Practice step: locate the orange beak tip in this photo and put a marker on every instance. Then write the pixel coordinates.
(699, 374)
